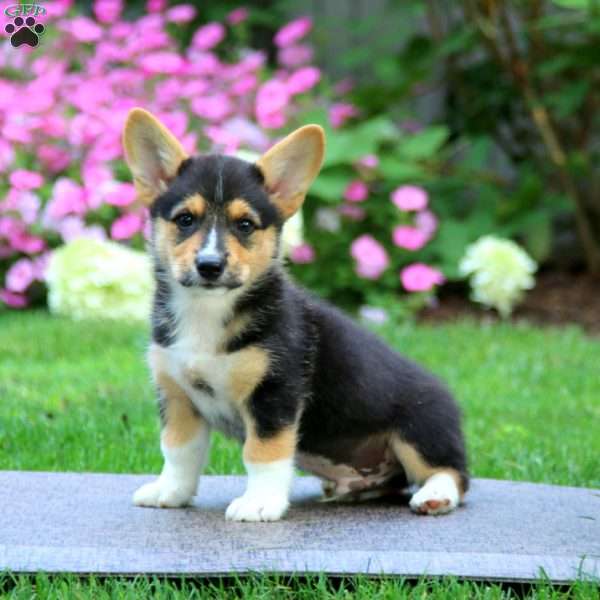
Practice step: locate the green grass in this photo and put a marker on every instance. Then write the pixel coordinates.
(77, 397)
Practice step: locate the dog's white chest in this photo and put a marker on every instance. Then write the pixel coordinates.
(197, 363)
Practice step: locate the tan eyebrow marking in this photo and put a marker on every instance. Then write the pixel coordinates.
(196, 204)
(239, 208)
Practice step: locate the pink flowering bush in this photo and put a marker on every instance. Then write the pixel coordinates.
(370, 219)
(63, 105)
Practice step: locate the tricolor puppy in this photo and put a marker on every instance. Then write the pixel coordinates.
(240, 349)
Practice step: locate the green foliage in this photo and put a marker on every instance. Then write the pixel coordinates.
(516, 81)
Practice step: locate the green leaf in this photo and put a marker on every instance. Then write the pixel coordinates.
(330, 186)
(424, 144)
(401, 171)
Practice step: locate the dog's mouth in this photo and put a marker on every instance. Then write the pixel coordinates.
(193, 281)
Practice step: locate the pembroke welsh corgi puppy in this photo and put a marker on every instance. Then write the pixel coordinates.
(238, 348)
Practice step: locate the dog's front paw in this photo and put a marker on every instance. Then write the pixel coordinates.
(257, 508)
(163, 494)
(438, 495)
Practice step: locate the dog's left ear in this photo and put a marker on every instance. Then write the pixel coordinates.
(291, 166)
(152, 153)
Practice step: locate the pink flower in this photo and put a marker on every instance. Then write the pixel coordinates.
(20, 276)
(26, 203)
(209, 36)
(352, 212)
(154, 6)
(302, 254)
(303, 80)
(244, 85)
(371, 257)
(408, 237)
(54, 159)
(181, 14)
(83, 29)
(369, 161)
(221, 137)
(271, 100)
(25, 180)
(13, 300)
(340, 112)
(213, 107)
(409, 197)
(126, 226)
(67, 198)
(343, 87)
(122, 194)
(6, 155)
(292, 32)
(237, 16)
(427, 222)
(294, 56)
(356, 191)
(420, 278)
(71, 228)
(108, 11)
(168, 63)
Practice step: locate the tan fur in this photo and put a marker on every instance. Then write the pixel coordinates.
(233, 329)
(416, 467)
(152, 153)
(184, 253)
(250, 263)
(195, 204)
(240, 209)
(182, 421)
(252, 364)
(290, 167)
(264, 450)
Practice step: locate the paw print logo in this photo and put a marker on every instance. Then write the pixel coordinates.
(24, 31)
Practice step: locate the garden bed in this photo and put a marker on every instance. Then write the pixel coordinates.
(559, 298)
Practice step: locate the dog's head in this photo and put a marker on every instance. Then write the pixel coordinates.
(217, 219)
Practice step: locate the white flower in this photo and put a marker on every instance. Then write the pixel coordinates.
(89, 278)
(499, 272)
(328, 219)
(291, 236)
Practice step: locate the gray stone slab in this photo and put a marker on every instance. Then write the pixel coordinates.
(85, 523)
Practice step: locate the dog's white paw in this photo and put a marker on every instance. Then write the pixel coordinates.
(163, 494)
(257, 508)
(439, 495)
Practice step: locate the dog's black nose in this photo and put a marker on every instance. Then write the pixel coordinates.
(210, 267)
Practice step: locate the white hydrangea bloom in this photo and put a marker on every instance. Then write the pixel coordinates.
(499, 270)
(89, 278)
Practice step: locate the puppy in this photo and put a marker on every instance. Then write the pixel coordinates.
(238, 348)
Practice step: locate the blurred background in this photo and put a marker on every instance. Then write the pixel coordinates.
(460, 174)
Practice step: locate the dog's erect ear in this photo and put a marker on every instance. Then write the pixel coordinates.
(291, 165)
(152, 153)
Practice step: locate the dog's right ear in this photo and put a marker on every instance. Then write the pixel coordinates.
(152, 153)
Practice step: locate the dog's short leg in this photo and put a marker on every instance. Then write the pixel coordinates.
(441, 488)
(184, 443)
(269, 462)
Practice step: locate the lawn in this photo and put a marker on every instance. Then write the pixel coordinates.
(77, 397)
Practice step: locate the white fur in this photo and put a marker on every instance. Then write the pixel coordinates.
(210, 249)
(178, 481)
(196, 350)
(267, 493)
(441, 488)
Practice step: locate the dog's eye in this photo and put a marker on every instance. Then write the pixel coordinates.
(184, 220)
(245, 226)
